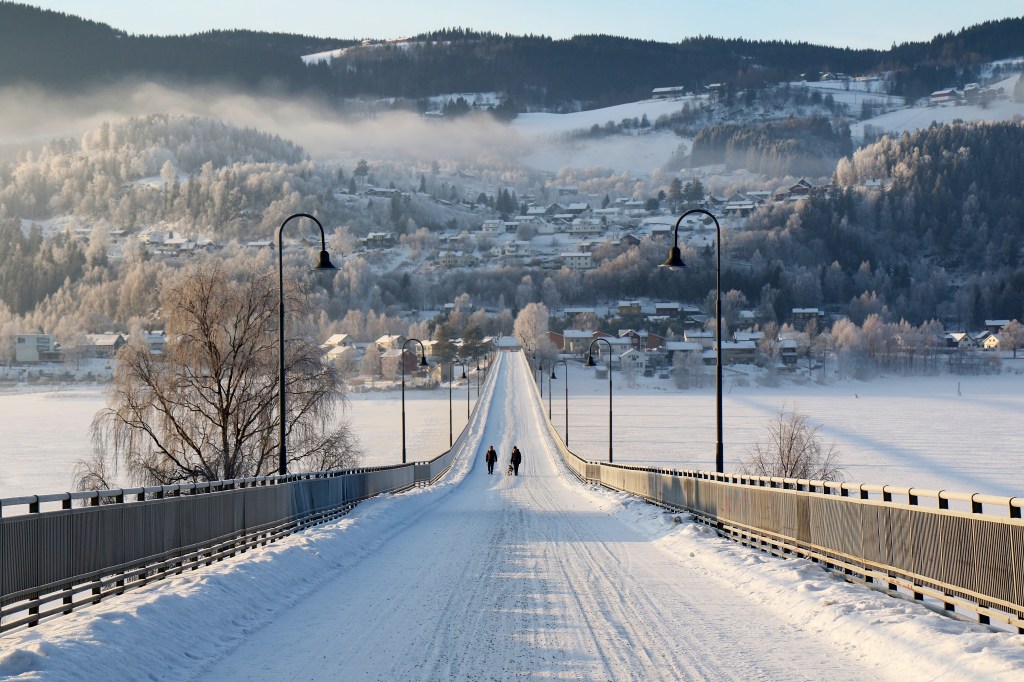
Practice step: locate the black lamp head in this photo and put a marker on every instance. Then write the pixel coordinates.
(590, 360)
(324, 262)
(674, 260)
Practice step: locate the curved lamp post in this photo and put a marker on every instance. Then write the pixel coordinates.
(323, 263)
(675, 261)
(591, 363)
(451, 380)
(566, 365)
(422, 363)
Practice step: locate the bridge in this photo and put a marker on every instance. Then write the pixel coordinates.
(458, 574)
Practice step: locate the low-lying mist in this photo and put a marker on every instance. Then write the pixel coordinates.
(33, 114)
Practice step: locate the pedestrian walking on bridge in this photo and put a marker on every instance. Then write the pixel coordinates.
(517, 459)
(491, 456)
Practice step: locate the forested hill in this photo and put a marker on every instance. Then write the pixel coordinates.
(57, 50)
(955, 194)
(945, 239)
(53, 49)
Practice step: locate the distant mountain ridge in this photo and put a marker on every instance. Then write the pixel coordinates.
(56, 50)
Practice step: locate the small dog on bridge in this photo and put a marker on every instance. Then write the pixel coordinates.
(509, 471)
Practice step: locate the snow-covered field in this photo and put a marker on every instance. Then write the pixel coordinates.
(44, 433)
(493, 577)
(944, 432)
(916, 118)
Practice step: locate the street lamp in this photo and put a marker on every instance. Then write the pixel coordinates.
(591, 363)
(451, 380)
(540, 374)
(478, 381)
(422, 363)
(566, 365)
(675, 261)
(323, 263)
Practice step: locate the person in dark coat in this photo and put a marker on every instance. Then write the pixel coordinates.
(517, 459)
(491, 457)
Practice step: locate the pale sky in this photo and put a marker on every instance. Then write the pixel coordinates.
(860, 24)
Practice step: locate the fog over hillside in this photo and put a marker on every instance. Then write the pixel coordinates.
(34, 114)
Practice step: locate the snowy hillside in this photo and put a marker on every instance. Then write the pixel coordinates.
(918, 117)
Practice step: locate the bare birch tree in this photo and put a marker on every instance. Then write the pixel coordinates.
(206, 408)
(794, 450)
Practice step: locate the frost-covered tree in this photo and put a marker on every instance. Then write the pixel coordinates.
(794, 449)
(1012, 336)
(531, 328)
(206, 408)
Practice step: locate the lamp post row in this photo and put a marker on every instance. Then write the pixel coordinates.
(674, 261)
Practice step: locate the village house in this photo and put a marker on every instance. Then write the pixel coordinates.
(32, 348)
(629, 308)
(788, 352)
(576, 340)
(705, 337)
(960, 341)
(493, 227)
(377, 240)
(389, 342)
(944, 96)
(801, 316)
(800, 190)
(738, 352)
(992, 342)
(104, 345)
(337, 340)
(668, 92)
(342, 356)
(577, 260)
(155, 341)
(996, 326)
(674, 347)
(633, 361)
(391, 362)
(453, 259)
(586, 227)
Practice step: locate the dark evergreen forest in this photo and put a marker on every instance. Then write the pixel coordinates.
(56, 50)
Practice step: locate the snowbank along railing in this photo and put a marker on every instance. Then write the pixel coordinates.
(55, 560)
(950, 550)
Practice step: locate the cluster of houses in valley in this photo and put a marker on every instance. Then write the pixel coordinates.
(636, 351)
(563, 233)
(632, 351)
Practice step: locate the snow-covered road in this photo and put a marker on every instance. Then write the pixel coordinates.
(536, 577)
(524, 577)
